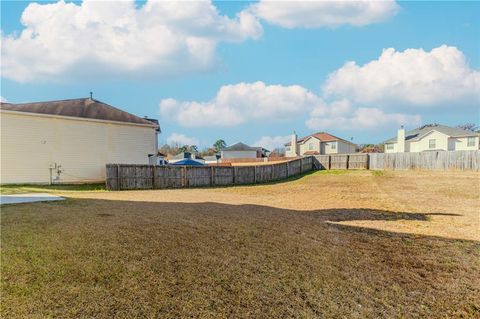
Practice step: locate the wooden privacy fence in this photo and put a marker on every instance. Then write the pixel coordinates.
(462, 160)
(126, 176)
(342, 161)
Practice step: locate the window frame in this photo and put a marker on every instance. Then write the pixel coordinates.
(471, 141)
(333, 145)
(430, 143)
(389, 146)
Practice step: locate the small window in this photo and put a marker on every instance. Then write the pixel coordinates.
(432, 143)
(389, 147)
(471, 141)
(333, 145)
(310, 146)
(287, 148)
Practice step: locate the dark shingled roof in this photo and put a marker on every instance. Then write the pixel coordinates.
(416, 134)
(240, 147)
(82, 108)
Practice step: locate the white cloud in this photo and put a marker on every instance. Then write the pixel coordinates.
(342, 115)
(3, 100)
(239, 103)
(413, 76)
(272, 142)
(316, 14)
(181, 139)
(111, 38)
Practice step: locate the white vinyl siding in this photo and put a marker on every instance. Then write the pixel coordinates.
(30, 144)
(239, 154)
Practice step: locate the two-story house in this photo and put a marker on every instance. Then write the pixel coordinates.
(432, 137)
(320, 143)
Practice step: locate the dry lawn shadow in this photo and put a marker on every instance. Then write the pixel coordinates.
(124, 259)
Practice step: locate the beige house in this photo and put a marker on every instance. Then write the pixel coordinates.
(70, 141)
(433, 137)
(320, 143)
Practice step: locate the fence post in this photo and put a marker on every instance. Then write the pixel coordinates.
(234, 173)
(348, 159)
(153, 176)
(255, 174)
(184, 176)
(212, 176)
(119, 185)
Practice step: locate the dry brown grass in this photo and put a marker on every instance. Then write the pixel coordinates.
(332, 244)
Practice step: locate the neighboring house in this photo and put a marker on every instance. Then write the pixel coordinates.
(214, 159)
(70, 141)
(241, 150)
(432, 137)
(320, 143)
(186, 155)
(157, 159)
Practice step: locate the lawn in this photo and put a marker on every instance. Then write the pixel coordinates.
(333, 244)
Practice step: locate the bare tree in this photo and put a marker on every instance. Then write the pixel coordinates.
(469, 126)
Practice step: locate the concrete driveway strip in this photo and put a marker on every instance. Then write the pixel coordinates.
(28, 198)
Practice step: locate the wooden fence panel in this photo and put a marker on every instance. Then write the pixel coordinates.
(294, 167)
(244, 175)
(168, 177)
(127, 177)
(322, 162)
(123, 177)
(223, 175)
(307, 164)
(143, 177)
(339, 161)
(461, 160)
(358, 161)
(264, 173)
(111, 180)
(279, 171)
(198, 176)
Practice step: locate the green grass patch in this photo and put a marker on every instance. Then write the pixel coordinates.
(19, 189)
(334, 172)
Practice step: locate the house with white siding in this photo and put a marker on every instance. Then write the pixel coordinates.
(320, 143)
(432, 137)
(70, 141)
(241, 150)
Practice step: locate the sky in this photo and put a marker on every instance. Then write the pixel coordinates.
(251, 71)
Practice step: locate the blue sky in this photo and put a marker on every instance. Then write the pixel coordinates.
(281, 75)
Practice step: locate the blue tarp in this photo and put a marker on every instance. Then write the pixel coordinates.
(187, 161)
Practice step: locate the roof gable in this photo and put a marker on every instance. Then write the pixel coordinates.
(239, 147)
(322, 136)
(81, 108)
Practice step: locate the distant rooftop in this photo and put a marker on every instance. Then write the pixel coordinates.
(416, 134)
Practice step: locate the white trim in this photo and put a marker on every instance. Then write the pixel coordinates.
(75, 118)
